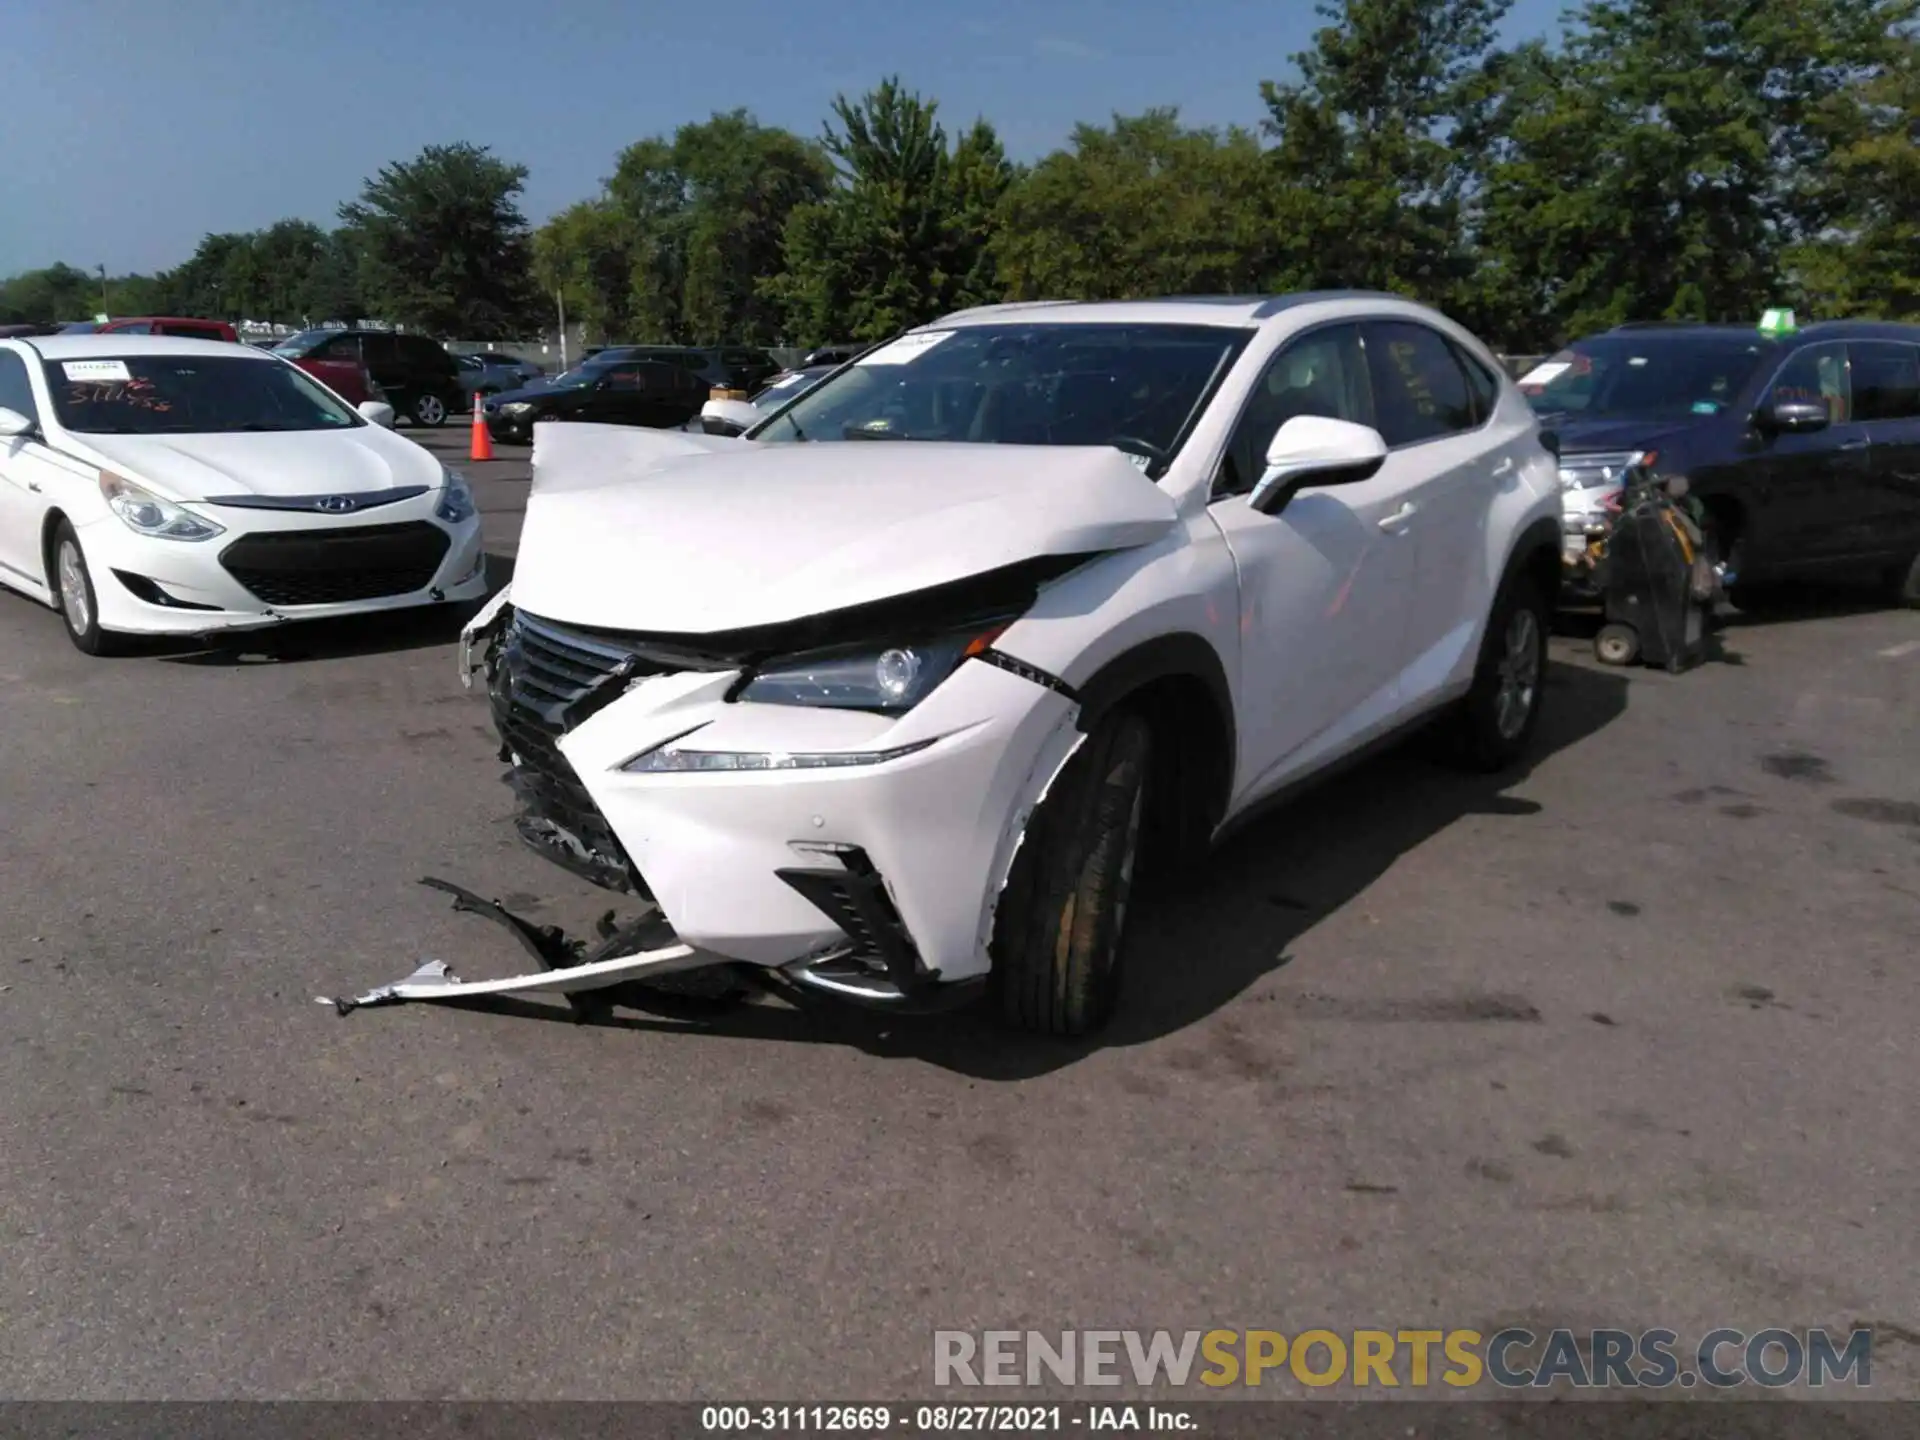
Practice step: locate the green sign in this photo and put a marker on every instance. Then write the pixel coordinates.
(1777, 322)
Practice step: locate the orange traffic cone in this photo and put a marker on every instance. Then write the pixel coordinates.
(482, 441)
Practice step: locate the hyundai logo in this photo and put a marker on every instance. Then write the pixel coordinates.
(334, 504)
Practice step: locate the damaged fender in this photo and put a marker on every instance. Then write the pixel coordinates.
(1060, 746)
(480, 628)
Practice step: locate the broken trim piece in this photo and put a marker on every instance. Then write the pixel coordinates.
(436, 981)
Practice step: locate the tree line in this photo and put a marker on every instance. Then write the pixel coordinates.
(1657, 159)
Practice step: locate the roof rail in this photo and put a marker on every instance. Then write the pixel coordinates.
(1279, 303)
(973, 310)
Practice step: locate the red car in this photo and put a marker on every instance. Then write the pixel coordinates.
(348, 379)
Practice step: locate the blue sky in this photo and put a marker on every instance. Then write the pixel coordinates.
(132, 129)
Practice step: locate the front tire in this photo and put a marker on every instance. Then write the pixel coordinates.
(1058, 933)
(73, 589)
(1502, 710)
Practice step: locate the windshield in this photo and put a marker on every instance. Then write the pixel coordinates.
(1137, 387)
(189, 395)
(790, 385)
(1634, 377)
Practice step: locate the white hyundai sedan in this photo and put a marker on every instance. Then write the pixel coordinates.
(183, 487)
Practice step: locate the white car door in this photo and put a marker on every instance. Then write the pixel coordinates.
(1452, 463)
(1324, 583)
(25, 474)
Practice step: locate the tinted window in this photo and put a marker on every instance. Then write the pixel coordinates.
(418, 350)
(626, 378)
(1419, 391)
(1482, 384)
(189, 395)
(1133, 386)
(138, 327)
(1816, 375)
(192, 332)
(15, 391)
(1886, 381)
(1324, 373)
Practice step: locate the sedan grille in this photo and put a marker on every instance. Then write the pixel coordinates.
(327, 567)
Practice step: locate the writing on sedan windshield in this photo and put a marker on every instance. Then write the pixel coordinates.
(201, 395)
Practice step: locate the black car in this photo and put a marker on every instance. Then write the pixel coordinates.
(421, 380)
(611, 389)
(1803, 445)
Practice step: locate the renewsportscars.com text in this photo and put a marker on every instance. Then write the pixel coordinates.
(1508, 1359)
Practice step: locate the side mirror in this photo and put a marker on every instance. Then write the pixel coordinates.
(14, 425)
(377, 412)
(727, 417)
(1796, 417)
(1316, 450)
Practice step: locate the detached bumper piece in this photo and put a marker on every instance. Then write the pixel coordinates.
(569, 966)
(880, 967)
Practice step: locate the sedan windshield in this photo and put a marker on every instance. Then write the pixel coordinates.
(189, 395)
(1645, 376)
(1136, 387)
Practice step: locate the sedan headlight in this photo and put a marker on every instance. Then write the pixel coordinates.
(891, 680)
(456, 499)
(517, 407)
(142, 511)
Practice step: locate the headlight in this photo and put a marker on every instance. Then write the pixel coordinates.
(891, 680)
(1594, 472)
(456, 499)
(517, 407)
(147, 513)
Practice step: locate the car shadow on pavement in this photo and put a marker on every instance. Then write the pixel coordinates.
(297, 641)
(1193, 953)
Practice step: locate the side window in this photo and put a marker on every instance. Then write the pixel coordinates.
(16, 391)
(1886, 381)
(341, 347)
(1324, 373)
(139, 327)
(625, 379)
(1483, 386)
(1817, 375)
(379, 350)
(1419, 390)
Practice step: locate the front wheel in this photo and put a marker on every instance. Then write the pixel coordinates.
(1062, 918)
(1501, 711)
(79, 606)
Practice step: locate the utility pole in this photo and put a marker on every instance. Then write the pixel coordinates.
(560, 299)
(104, 309)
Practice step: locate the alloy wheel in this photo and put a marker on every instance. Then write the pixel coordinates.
(1519, 674)
(75, 603)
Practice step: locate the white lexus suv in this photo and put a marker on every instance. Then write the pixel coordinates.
(892, 693)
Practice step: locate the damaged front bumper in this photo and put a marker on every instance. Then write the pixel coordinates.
(870, 872)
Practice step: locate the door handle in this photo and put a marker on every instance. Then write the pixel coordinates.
(1400, 517)
(1854, 444)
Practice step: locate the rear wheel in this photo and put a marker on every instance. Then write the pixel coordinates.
(429, 409)
(1057, 935)
(1497, 720)
(1906, 590)
(73, 588)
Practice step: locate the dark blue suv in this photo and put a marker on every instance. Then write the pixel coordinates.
(1804, 447)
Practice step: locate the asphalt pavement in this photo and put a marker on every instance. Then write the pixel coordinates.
(1627, 1039)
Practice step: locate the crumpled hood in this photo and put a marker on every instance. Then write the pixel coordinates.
(672, 532)
(300, 462)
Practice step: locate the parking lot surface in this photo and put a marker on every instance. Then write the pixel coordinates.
(1627, 1039)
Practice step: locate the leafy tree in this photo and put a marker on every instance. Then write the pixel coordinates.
(701, 218)
(446, 247)
(585, 256)
(1371, 172)
(1668, 161)
(1142, 207)
(905, 233)
(58, 292)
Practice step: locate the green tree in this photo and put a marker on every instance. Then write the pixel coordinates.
(1372, 173)
(584, 255)
(57, 292)
(700, 218)
(446, 247)
(1865, 261)
(1667, 162)
(1144, 206)
(905, 234)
